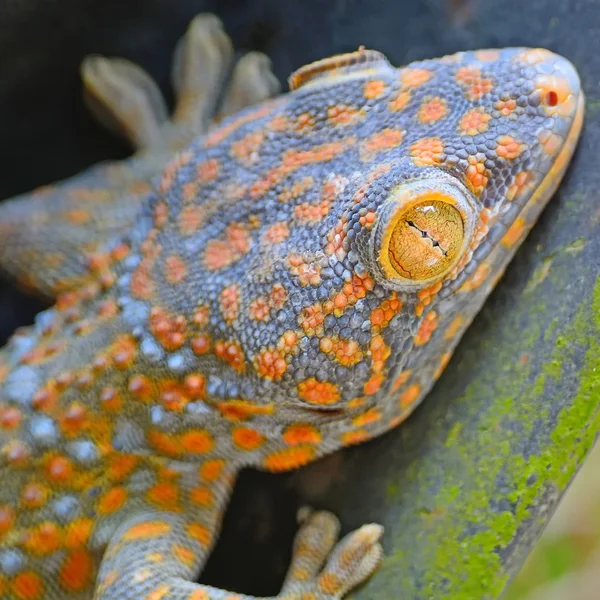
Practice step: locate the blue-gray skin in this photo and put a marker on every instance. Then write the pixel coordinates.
(295, 284)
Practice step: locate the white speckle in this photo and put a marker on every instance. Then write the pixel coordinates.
(157, 415)
(140, 481)
(135, 313)
(11, 561)
(132, 261)
(176, 362)
(151, 350)
(124, 281)
(66, 508)
(21, 385)
(83, 451)
(43, 430)
(128, 436)
(44, 320)
(197, 408)
(19, 344)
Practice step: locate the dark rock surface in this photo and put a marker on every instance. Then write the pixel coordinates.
(466, 486)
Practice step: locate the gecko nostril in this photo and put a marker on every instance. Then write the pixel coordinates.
(551, 98)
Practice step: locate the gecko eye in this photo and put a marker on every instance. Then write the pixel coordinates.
(424, 229)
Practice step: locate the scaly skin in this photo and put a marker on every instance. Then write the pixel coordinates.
(294, 282)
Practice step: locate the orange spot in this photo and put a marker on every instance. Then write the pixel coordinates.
(293, 160)
(10, 417)
(454, 327)
(487, 55)
(7, 517)
(184, 555)
(317, 392)
(232, 247)
(27, 585)
(473, 83)
(202, 496)
(197, 442)
(270, 364)
(211, 470)
(474, 121)
(374, 89)
(515, 233)
(385, 312)
(34, 495)
(413, 78)
(346, 352)
(217, 135)
(349, 438)
(77, 571)
(508, 147)
(296, 190)
(190, 219)
(230, 303)
(112, 500)
(159, 593)
(304, 121)
(506, 107)
(231, 353)
(120, 466)
(163, 443)
(477, 175)
(200, 533)
(342, 114)
(276, 233)
(59, 469)
(307, 271)
(78, 533)
(200, 344)
(208, 170)
(123, 351)
(302, 433)
(426, 151)
(164, 495)
(311, 319)
(383, 140)
(241, 410)
(247, 438)
(480, 275)
(373, 384)
(44, 539)
(140, 387)
(432, 110)
(428, 326)
(400, 101)
(401, 380)
(522, 182)
(147, 530)
(175, 269)
(307, 213)
(370, 416)
(289, 458)
(410, 396)
(246, 149)
(259, 309)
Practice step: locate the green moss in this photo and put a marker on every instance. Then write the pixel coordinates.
(479, 515)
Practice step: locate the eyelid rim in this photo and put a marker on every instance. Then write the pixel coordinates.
(440, 188)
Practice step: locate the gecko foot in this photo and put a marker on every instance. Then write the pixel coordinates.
(348, 562)
(127, 101)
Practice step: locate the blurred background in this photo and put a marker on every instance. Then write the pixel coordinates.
(565, 563)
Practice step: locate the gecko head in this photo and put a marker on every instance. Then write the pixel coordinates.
(495, 132)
